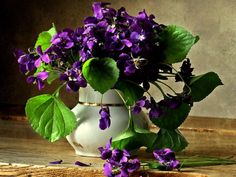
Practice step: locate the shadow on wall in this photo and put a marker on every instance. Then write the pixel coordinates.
(21, 22)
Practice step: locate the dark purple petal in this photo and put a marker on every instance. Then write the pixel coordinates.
(155, 112)
(18, 53)
(40, 84)
(127, 42)
(166, 157)
(56, 162)
(133, 165)
(134, 37)
(30, 79)
(82, 164)
(72, 86)
(104, 123)
(24, 59)
(82, 82)
(39, 50)
(136, 110)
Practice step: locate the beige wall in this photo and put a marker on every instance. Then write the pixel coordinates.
(213, 20)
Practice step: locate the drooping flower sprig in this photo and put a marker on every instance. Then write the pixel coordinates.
(115, 50)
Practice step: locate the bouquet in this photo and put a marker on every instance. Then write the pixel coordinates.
(114, 50)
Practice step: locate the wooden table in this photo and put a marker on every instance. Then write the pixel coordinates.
(24, 153)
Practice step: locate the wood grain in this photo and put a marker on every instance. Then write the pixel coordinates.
(24, 153)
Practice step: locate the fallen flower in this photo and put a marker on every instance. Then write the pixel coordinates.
(82, 164)
(56, 162)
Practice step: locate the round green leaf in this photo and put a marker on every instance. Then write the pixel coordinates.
(169, 139)
(131, 91)
(172, 118)
(201, 86)
(101, 73)
(177, 42)
(50, 117)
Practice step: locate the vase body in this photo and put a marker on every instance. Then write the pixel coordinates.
(87, 137)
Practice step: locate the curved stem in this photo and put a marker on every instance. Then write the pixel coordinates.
(159, 87)
(179, 76)
(167, 86)
(131, 123)
(101, 99)
(56, 93)
(122, 98)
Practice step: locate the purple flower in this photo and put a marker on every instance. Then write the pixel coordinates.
(106, 152)
(155, 110)
(166, 157)
(82, 164)
(56, 162)
(129, 68)
(104, 121)
(43, 57)
(118, 162)
(74, 77)
(38, 79)
(142, 102)
(63, 39)
(26, 61)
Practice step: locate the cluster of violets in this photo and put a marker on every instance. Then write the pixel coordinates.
(132, 41)
(120, 164)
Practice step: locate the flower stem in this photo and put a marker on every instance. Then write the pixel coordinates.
(161, 90)
(179, 77)
(167, 86)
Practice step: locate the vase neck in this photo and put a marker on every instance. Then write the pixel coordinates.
(89, 95)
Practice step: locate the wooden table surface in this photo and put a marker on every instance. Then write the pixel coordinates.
(24, 153)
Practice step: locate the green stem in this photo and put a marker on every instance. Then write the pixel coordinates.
(57, 91)
(122, 98)
(161, 90)
(101, 99)
(131, 122)
(180, 77)
(167, 86)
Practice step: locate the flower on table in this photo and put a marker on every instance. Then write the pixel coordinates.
(118, 162)
(166, 157)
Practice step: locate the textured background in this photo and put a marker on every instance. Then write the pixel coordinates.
(213, 20)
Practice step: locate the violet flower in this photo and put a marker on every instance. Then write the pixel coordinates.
(43, 57)
(38, 79)
(141, 103)
(166, 157)
(56, 162)
(26, 61)
(105, 120)
(118, 162)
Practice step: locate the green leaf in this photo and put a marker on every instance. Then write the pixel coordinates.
(172, 118)
(50, 117)
(44, 38)
(172, 139)
(201, 86)
(101, 73)
(133, 139)
(131, 91)
(177, 42)
(53, 75)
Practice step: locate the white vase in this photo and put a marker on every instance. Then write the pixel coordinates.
(87, 137)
